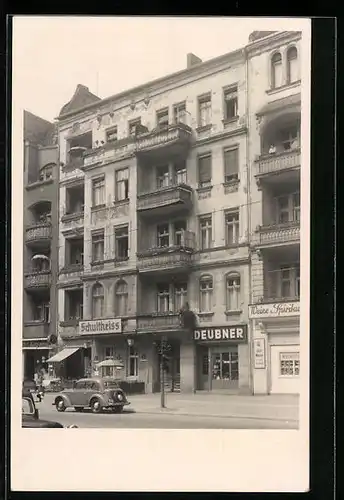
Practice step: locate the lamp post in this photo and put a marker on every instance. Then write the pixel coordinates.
(162, 371)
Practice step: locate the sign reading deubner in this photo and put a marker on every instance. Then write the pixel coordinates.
(274, 310)
(100, 326)
(229, 333)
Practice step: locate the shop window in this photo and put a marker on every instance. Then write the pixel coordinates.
(121, 298)
(225, 366)
(206, 294)
(133, 365)
(97, 301)
(289, 364)
(205, 365)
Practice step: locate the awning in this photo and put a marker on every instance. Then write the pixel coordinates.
(110, 362)
(65, 353)
(291, 100)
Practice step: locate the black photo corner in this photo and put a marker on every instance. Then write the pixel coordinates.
(327, 59)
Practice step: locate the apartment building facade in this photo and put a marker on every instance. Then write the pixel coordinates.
(274, 75)
(153, 202)
(40, 242)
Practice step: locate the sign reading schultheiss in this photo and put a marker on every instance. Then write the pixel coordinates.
(274, 310)
(100, 326)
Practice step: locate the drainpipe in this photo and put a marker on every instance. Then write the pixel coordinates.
(249, 206)
(57, 312)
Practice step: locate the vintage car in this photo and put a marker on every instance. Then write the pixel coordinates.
(30, 415)
(97, 393)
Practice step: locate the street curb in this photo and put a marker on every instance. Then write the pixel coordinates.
(248, 417)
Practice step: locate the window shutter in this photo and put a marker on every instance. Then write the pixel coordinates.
(204, 169)
(231, 162)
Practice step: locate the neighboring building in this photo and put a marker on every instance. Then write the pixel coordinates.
(274, 68)
(40, 241)
(153, 214)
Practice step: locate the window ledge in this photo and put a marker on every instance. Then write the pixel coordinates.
(204, 128)
(72, 216)
(121, 202)
(36, 322)
(205, 313)
(283, 87)
(203, 189)
(232, 182)
(228, 121)
(233, 312)
(97, 263)
(98, 207)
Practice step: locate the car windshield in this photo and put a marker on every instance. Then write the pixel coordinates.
(110, 384)
(27, 407)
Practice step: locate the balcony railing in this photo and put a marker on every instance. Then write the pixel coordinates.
(109, 152)
(158, 321)
(277, 162)
(38, 232)
(277, 234)
(178, 195)
(35, 330)
(37, 279)
(164, 136)
(164, 259)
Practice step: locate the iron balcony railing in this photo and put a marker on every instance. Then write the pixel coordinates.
(35, 278)
(38, 231)
(277, 162)
(175, 194)
(165, 258)
(158, 321)
(277, 234)
(163, 136)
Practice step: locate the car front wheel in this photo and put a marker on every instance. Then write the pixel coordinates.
(60, 405)
(96, 406)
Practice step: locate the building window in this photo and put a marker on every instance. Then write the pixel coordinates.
(98, 192)
(204, 111)
(231, 163)
(162, 176)
(133, 365)
(122, 184)
(109, 352)
(122, 243)
(121, 298)
(179, 230)
(276, 71)
(231, 103)
(206, 232)
(75, 199)
(111, 135)
(180, 295)
(289, 364)
(205, 364)
(132, 126)
(162, 118)
(163, 290)
(76, 251)
(292, 65)
(206, 294)
(163, 236)
(74, 303)
(289, 138)
(98, 246)
(41, 311)
(180, 176)
(204, 170)
(288, 208)
(97, 301)
(290, 281)
(179, 113)
(233, 293)
(232, 227)
(46, 173)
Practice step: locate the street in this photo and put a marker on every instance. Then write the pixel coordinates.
(158, 419)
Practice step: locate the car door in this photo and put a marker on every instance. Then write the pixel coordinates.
(76, 395)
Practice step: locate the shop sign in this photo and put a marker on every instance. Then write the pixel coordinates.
(274, 310)
(100, 326)
(259, 354)
(233, 334)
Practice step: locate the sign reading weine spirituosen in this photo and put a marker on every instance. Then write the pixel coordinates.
(112, 325)
(274, 310)
(233, 334)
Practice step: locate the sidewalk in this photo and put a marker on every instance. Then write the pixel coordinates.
(273, 407)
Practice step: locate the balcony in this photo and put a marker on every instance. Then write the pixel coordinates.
(37, 279)
(35, 330)
(158, 322)
(73, 164)
(170, 139)
(37, 233)
(72, 221)
(277, 235)
(278, 162)
(171, 199)
(165, 259)
(109, 153)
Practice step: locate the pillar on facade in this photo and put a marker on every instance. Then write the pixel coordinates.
(187, 367)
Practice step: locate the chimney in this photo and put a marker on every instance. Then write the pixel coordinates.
(191, 60)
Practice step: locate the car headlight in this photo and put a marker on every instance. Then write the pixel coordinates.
(119, 397)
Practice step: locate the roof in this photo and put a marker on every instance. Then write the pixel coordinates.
(257, 35)
(38, 130)
(290, 100)
(81, 98)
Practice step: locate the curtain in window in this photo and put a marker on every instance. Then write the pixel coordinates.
(231, 158)
(122, 299)
(204, 169)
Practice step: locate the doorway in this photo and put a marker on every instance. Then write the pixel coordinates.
(225, 368)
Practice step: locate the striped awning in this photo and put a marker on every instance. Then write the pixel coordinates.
(65, 353)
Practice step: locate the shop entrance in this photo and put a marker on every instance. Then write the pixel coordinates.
(225, 369)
